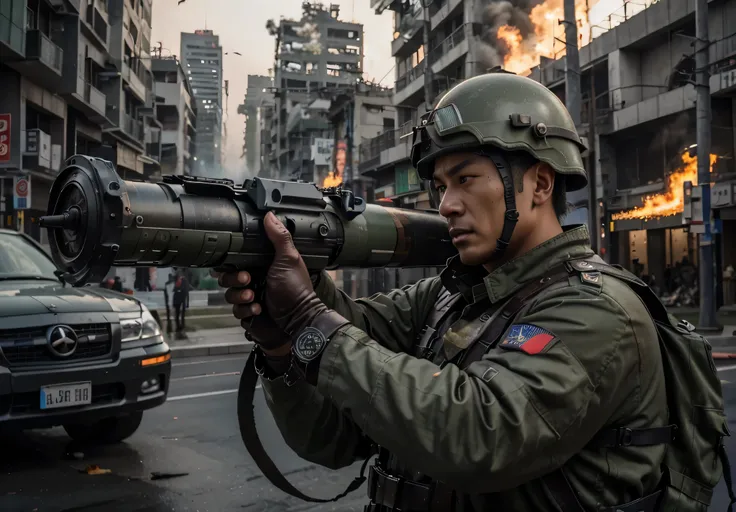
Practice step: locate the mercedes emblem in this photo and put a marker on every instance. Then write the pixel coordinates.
(62, 340)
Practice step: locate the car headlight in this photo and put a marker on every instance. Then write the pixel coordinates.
(144, 327)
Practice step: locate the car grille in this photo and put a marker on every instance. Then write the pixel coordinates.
(29, 347)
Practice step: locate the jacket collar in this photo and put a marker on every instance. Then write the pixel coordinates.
(475, 283)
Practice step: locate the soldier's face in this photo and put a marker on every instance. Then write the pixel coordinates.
(472, 201)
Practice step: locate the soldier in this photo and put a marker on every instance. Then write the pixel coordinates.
(490, 386)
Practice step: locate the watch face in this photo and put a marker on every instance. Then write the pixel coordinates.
(309, 344)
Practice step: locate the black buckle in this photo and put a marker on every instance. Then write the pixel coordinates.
(624, 436)
(501, 245)
(512, 215)
(383, 489)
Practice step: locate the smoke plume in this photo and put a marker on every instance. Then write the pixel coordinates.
(310, 30)
(496, 15)
(671, 138)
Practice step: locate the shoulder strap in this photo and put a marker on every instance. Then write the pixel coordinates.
(656, 309)
(442, 309)
(247, 423)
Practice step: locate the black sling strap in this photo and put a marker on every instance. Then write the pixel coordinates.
(249, 433)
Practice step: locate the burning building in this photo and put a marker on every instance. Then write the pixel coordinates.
(637, 111)
(638, 95)
(466, 38)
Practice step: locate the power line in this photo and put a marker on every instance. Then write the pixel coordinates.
(389, 71)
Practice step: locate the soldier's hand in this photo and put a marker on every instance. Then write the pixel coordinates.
(258, 326)
(290, 297)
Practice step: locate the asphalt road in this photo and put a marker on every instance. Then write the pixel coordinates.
(195, 432)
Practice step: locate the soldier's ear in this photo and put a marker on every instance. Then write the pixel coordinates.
(542, 178)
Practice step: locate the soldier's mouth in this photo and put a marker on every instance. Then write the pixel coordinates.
(459, 234)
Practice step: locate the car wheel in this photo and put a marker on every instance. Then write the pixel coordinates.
(106, 431)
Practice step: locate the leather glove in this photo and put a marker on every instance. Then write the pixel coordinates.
(288, 285)
(259, 328)
(290, 298)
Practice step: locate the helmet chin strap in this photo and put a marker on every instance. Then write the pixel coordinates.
(511, 216)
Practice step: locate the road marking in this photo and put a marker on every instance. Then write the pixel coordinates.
(205, 375)
(727, 368)
(203, 395)
(206, 362)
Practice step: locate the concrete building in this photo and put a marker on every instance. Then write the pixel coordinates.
(452, 58)
(355, 115)
(134, 137)
(314, 54)
(175, 111)
(258, 94)
(201, 58)
(63, 84)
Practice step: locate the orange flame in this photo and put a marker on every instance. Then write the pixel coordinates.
(670, 202)
(332, 180)
(548, 36)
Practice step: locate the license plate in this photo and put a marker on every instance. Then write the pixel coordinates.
(66, 395)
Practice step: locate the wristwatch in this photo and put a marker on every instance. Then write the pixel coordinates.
(309, 345)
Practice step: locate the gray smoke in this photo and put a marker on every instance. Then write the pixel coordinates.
(672, 138)
(492, 50)
(310, 30)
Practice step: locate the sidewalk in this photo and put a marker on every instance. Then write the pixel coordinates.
(724, 344)
(210, 342)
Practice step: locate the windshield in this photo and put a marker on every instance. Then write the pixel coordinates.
(20, 258)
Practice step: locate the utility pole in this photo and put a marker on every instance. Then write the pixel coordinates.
(428, 78)
(572, 62)
(707, 319)
(593, 214)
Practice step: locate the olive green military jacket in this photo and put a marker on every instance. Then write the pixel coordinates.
(492, 430)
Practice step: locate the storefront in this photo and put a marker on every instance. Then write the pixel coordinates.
(649, 247)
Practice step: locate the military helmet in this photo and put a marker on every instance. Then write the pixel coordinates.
(505, 111)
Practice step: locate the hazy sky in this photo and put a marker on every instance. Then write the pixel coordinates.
(241, 25)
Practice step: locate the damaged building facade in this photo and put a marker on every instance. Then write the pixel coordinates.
(453, 56)
(257, 98)
(315, 56)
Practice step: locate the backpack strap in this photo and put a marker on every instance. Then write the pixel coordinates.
(723, 455)
(613, 438)
(557, 482)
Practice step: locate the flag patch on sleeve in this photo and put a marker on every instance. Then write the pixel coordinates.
(527, 338)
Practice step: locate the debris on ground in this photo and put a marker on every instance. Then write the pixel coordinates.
(156, 475)
(94, 469)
